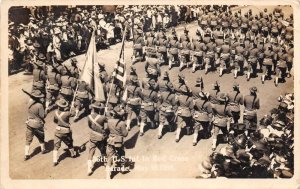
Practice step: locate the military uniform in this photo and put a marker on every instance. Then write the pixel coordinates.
(39, 75)
(53, 87)
(63, 130)
(184, 111)
(82, 97)
(199, 49)
(139, 43)
(149, 104)
(224, 57)
(267, 64)
(185, 48)
(68, 85)
(281, 68)
(220, 113)
(202, 114)
(252, 60)
(117, 132)
(116, 94)
(235, 99)
(98, 133)
(150, 45)
(167, 105)
(35, 122)
(152, 67)
(251, 103)
(162, 50)
(173, 45)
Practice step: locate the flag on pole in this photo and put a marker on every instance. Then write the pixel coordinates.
(90, 71)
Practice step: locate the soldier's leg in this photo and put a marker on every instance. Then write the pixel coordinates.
(40, 134)
(143, 122)
(249, 70)
(161, 124)
(196, 132)
(92, 150)
(110, 151)
(222, 67)
(215, 135)
(48, 101)
(68, 140)
(57, 145)
(171, 59)
(194, 62)
(179, 127)
(129, 115)
(225, 133)
(236, 69)
(29, 138)
(263, 74)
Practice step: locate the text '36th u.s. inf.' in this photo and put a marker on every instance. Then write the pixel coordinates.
(149, 163)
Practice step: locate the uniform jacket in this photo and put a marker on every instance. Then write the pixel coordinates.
(36, 114)
(117, 132)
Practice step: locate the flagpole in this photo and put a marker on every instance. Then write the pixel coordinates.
(122, 49)
(76, 89)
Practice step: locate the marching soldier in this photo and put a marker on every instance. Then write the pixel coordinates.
(68, 85)
(173, 45)
(150, 43)
(267, 64)
(185, 47)
(224, 56)
(117, 132)
(98, 132)
(251, 103)
(134, 93)
(185, 108)
(73, 68)
(103, 74)
(235, 99)
(281, 68)
(149, 104)
(82, 98)
(116, 91)
(166, 104)
(161, 45)
(54, 79)
(139, 43)
(252, 61)
(213, 93)
(152, 68)
(39, 74)
(202, 115)
(220, 113)
(35, 122)
(63, 132)
(199, 49)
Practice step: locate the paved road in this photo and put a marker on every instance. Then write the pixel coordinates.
(152, 158)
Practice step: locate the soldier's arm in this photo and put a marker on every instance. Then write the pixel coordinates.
(42, 112)
(58, 79)
(241, 100)
(124, 131)
(257, 104)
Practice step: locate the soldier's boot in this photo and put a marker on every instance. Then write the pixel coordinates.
(195, 138)
(276, 81)
(43, 148)
(206, 68)
(27, 156)
(214, 144)
(194, 68)
(72, 152)
(248, 76)
(76, 114)
(160, 128)
(90, 167)
(235, 74)
(263, 79)
(142, 129)
(108, 172)
(128, 121)
(55, 158)
(221, 72)
(47, 107)
(177, 134)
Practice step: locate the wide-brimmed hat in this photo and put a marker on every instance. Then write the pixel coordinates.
(98, 105)
(37, 94)
(222, 97)
(253, 89)
(134, 79)
(62, 103)
(41, 56)
(227, 151)
(117, 111)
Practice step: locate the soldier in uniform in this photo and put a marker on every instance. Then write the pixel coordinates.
(252, 61)
(202, 115)
(267, 64)
(213, 93)
(68, 84)
(39, 75)
(54, 83)
(166, 104)
(98, 132)
(173, 45)
(73, 68)
(82, 98)
(134, 93)
(281, 68)
(117, 132)
(150, 43)
(197, 57)
(63, 130)
(251, 103)
(185, 47)
(224, 56)
(139, 43)
(149, 104)
(115, 92)
(209, 56)
(161, 45)
(220, 113)
(103, 74)
(152, 68)
(185, 108)
(235, 99)
(35, 122)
